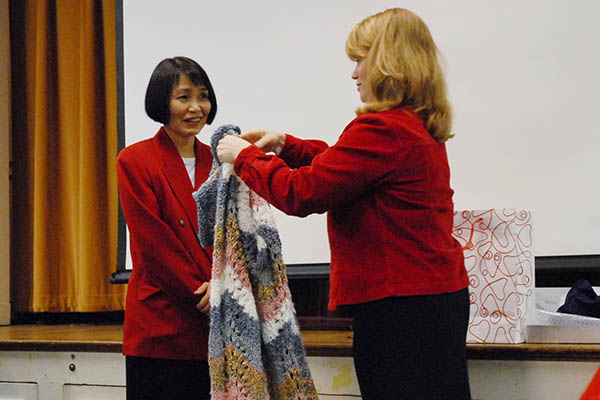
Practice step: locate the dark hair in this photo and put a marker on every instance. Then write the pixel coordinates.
(164, 77)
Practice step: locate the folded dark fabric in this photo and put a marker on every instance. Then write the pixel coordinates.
(581, 300)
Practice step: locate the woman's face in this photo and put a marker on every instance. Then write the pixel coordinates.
(189, 108)
(360, 74)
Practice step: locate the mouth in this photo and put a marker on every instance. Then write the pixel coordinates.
(195, 120)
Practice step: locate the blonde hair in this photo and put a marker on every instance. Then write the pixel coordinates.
(402, 68)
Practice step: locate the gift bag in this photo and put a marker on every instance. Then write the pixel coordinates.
(499, 258)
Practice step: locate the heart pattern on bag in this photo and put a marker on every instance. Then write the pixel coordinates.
(499, 259)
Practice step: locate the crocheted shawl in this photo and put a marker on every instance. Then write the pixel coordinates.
(255, 347)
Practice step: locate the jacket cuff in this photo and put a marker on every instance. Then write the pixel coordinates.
(248, 152)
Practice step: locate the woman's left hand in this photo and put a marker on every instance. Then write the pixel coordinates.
(229, 147)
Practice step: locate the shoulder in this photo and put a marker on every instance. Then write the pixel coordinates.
(395, 118)
(401, 123)
(135, 149)
(139, 156)
(145, 150)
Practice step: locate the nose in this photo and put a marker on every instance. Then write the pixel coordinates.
(355, 72)
(196, 106)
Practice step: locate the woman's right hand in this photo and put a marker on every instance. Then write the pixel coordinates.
(204, 304)
(266, 140)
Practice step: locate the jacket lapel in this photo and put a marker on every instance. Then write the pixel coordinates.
(177, 176)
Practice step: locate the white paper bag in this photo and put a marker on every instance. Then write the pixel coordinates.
(499, 258)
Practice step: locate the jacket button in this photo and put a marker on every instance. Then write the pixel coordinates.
(181, 222)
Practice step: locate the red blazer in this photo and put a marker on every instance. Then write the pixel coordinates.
(169, 264)
(385, 185)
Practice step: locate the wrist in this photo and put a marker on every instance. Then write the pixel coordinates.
(241, 147)
(280, 144)
(244, 146)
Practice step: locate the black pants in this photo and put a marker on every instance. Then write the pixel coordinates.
(159, 379)
(412, 347)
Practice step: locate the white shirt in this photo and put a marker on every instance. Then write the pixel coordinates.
(190, 166)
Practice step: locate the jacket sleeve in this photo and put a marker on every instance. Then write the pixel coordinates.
(297, 152)
(365, 155)
(156, 248)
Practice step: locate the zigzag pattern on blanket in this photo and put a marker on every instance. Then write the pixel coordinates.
(255, 347)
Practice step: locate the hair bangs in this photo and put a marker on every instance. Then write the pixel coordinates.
(357, 47)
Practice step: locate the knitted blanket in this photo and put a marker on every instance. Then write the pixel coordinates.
(255, 347)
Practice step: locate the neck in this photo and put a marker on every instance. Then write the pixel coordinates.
(184, 145)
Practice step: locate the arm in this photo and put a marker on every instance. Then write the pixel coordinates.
(295, 152)
(298, 153)
(364, 157)
(156, 247)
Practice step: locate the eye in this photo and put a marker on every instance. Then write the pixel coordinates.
(182, 97)
(204, 95)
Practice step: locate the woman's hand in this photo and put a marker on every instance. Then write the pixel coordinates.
(204, 304)
(266, 140)
(229, 147)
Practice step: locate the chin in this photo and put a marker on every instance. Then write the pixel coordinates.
(195, 131)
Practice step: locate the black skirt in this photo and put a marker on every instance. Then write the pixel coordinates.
(160, 379)
(412, 347)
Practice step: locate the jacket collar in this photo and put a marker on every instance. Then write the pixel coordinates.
(177, 175)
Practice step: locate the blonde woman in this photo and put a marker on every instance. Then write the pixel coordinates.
(385, 185)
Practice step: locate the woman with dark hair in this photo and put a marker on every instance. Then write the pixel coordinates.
(385, 185)
(165, 337)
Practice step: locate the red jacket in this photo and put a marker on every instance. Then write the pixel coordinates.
(161, 320)
(386, 187)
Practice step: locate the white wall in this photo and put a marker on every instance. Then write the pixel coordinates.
(522, 79)
(4, 164)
